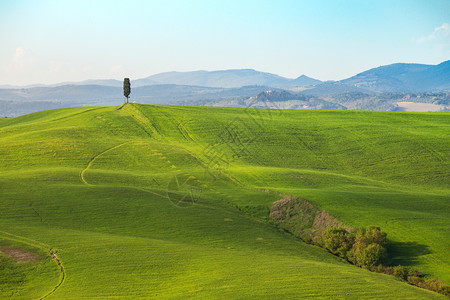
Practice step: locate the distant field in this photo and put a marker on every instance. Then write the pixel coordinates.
(102, 187)
(424, 107)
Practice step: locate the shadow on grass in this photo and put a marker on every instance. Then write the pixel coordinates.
(406, 253)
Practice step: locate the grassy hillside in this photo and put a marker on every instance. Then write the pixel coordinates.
(102, 187)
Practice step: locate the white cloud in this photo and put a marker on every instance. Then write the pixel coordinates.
(19, 61)
(19, 54)
(441, 33)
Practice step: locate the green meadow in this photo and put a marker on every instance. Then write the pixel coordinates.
(143, 201)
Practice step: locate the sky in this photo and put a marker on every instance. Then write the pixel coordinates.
(46, 41)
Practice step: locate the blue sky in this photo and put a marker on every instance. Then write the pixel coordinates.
(54, 41)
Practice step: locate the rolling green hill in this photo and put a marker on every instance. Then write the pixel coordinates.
(147, 201)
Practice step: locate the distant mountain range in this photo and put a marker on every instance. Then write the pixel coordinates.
(398, 77)
(226, 79)
(217, 79)
(404, 78)
(232, 87)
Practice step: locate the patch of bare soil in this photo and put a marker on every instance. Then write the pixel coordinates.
(20, 255)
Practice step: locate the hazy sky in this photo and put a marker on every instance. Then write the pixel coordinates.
(47, 41)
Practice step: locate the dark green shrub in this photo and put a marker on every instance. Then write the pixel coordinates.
(400, 272)
(374, 235)
(371, 255)
(415, 280)
(338, 241)
(368, 248)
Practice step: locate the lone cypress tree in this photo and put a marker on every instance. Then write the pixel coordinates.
(126, 88)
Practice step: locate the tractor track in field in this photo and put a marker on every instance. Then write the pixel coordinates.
(143, 121)
(39, 215)
(75, 114)
(91, 161)
(433, 152)
(41, 246)
(183, 131)
(180, 127)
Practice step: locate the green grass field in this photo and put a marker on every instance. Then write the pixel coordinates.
(99, 186)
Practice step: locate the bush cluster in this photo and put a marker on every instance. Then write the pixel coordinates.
(365, 248)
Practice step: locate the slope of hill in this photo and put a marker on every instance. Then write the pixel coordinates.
(329, 88)
(433, 78)
(303, 81)
(143, 201)
(404, 78)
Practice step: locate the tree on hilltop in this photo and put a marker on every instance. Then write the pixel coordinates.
(126, 88)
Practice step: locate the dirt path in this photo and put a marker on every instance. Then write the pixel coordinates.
(94, 158)
(63, 272)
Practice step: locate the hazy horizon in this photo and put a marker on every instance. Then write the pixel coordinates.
(173, 71)
(48, 42)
